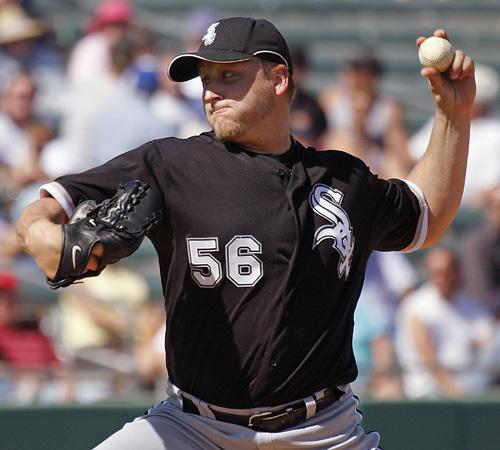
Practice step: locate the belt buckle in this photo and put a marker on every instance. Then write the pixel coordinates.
(256, 416)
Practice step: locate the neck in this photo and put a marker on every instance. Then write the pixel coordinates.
(447, 294)
(268, 145)
(21, 123)
(271, 136)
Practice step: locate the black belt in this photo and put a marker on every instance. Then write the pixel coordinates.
(270, 421)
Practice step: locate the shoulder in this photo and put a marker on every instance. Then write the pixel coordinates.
(179, 148)
(346, 171)
(337, 159)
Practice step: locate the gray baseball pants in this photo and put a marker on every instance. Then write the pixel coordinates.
(166, 426)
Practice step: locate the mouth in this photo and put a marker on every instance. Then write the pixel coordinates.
(220, 109)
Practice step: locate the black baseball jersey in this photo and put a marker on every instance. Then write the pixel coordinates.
(262, 260)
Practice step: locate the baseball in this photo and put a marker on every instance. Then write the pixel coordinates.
(436, 52)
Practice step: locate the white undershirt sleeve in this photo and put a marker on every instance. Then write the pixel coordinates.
(423, 220)
(58, 193)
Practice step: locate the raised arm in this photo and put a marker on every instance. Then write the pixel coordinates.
(441, 170)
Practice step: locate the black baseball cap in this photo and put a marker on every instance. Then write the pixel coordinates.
(232, 40)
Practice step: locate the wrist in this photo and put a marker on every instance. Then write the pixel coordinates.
(38, 233)
(454, 114)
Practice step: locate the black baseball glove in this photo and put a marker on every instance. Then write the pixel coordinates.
(119, 224)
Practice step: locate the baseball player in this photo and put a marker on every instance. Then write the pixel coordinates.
(262, 249)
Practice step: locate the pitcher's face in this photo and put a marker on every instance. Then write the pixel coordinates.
(237, 97)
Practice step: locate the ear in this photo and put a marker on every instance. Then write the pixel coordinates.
(280, 79)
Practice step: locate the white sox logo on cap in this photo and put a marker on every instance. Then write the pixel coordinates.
(325, 202)
(209, 37)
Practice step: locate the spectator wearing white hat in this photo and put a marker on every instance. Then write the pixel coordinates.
(25, 47)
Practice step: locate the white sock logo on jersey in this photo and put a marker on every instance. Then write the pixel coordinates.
(326, 202)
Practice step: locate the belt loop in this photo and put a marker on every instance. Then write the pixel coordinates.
(320, 394)
(310, 407)
(203, 408)
(176, 392)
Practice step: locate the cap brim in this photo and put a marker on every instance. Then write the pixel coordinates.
(32, 33)
(184, 67)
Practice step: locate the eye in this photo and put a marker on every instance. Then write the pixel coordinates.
(229, 75)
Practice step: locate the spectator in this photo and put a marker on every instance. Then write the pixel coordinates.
(441, 335)
(174, 108)
(389, 277)
(307, 119)
(145, 68)
(492, 357)
(149, 348)
(94, 111)
(28, 354)
(22, 139)
(25, 47)
(91, 58)
(96, 329)
(482, 254)
(483, 164)
(374, 354)
(22, 135)
(124, 109)
(364, 122)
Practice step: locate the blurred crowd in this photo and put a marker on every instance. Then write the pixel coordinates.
(427, 324)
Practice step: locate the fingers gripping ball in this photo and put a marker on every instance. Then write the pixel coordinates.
(436, 52)
(118, 224)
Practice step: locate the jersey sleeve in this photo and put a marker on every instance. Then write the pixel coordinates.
(101, 182)
(400, 215)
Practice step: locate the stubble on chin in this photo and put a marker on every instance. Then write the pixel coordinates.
(228, 130)
(243, 118)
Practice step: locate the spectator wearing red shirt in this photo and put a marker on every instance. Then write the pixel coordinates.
(27, 355)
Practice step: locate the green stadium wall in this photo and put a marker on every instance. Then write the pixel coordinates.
(443, 425)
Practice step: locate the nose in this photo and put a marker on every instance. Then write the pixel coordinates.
(212, 90)
(210, 95)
